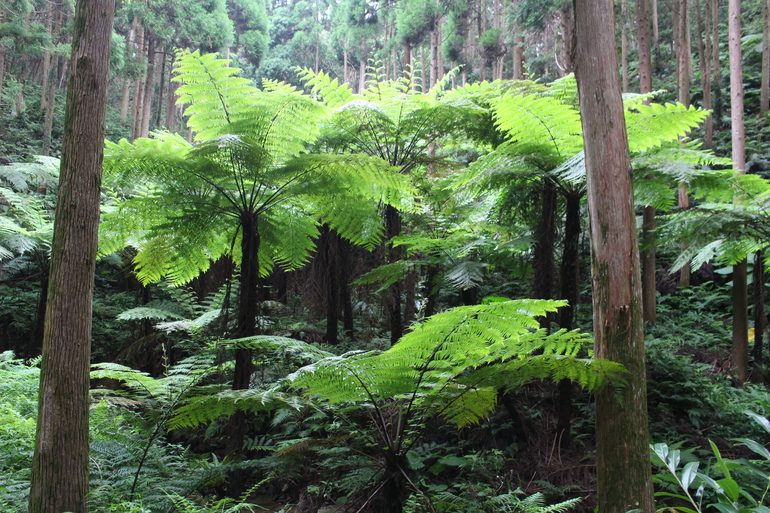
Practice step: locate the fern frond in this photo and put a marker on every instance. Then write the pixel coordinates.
(651, 125)
(540, 125)
(451, 364)
(329, 90)
(204, 409)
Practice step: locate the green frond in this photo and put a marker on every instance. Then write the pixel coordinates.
(285, 345)
(157, 310)
(465, 275)
(651, 125)
(211, 89)
(204, 409)
(540, 126)
(451, 364)
(387, 274)
(329, 90)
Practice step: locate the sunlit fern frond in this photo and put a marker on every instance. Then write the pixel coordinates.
(652, 125)
(457, 356)
(212, 90)
(540, 126)
(329, 90)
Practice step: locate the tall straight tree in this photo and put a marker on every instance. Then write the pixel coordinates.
(622, 433)
(740, 351)
(649, 289)
(60, 461)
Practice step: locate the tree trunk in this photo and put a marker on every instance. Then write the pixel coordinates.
(518, 49)
(681, 30)
(648, 260)
(543, 253)
(570, 290)
(655, 29)
(705, 53)
(246, 326)
(393, 229)
(148, 88)
(171, 100)
(347, 302)
(127, 81)
(161, 85)
(622, 433)
(764, 97)
(624, 45)
(330, 266)
(740, 348)
(717, 67)
(59, 480)
(47, 55)
(760, 314)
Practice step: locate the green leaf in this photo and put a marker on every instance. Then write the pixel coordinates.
(721, 464)
(689, 473)
(730, 487)
(759, 419)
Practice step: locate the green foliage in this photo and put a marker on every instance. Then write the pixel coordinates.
(18, 409)
(452, 367)
(453, 364)
(744, 485)
(249, 162)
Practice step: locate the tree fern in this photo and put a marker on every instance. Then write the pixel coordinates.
(450, 366)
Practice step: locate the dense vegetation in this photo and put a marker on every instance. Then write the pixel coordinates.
(343, 262)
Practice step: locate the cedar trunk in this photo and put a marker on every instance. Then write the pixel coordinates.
(59, 480)
(740, 347)
(622, 433)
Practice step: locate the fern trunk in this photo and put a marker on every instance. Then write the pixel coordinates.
(246, 326)
(59, 479)
(622, 431)
(393, 229)
(570, 290)
(543, 252)
(760, 315)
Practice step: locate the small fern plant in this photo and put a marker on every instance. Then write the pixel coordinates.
(450, 367)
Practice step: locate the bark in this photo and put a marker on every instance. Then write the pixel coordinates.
(47, 56)
(683, 56)
(330, 264)
(570, 290)
(148, 88)
(655, 30)
(345, 273)
(740, 347)
(705, 56)
(764, 96)
(622, 433)
(161, 85)
(518, 49)
(715, 62)
(760, 314)
(624, 45)
(3, 51)
(648, 254)
(246, 326)
(543, 253)
(59, 479)
(392, 229)
(127, 81)
(171, 100)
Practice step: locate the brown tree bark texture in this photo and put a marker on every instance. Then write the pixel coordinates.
(60, 461)
(622, 434)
